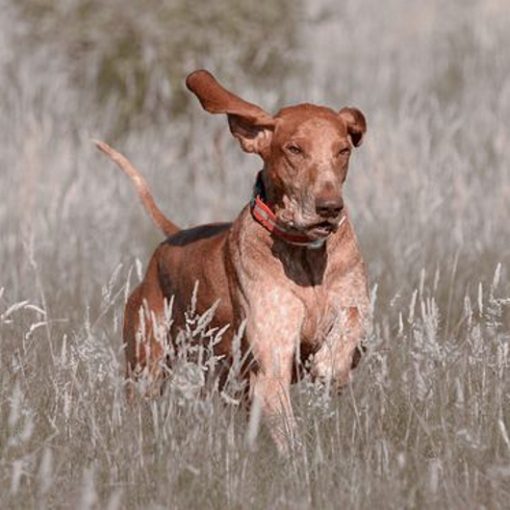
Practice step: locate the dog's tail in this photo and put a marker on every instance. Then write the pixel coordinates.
(142, 188)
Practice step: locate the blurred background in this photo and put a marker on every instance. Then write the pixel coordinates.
(430, 185)
(429, 190)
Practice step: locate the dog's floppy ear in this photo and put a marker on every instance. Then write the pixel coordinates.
(249, 123)
(356, 124)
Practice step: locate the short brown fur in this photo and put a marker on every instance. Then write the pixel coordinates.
(298, 302)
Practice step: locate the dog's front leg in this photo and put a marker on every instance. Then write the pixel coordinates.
(334, 360)
(269, 387)
(272, 339)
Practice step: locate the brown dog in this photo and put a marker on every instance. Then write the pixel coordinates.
(289, 265)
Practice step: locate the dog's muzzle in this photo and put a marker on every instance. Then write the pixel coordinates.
(263, 213)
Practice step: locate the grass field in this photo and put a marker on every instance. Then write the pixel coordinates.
(426, 422)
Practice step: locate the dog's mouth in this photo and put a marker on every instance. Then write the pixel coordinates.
(321, 229)
(318, 230)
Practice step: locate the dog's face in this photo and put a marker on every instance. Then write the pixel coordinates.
(306, 166)
(305, 148)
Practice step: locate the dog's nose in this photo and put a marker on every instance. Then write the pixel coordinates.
(329, 208)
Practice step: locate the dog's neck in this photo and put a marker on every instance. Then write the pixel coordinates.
(262, 211)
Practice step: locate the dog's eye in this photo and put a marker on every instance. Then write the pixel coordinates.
(344, 152)
(294, 149)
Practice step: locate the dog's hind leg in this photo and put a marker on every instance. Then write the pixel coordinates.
(145, 340)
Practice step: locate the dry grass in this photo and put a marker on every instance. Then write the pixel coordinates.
(426, 423)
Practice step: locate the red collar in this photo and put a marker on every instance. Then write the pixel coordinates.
(262, 212)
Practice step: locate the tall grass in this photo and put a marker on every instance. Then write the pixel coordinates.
(426, 422)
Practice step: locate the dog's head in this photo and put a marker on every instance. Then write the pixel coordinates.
(305, 148)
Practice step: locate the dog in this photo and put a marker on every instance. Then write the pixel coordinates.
(289, 268)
